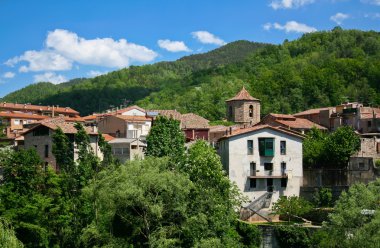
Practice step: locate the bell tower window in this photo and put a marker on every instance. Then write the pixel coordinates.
(230, 112)
(250, 111)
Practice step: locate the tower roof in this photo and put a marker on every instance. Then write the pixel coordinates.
(243, 95)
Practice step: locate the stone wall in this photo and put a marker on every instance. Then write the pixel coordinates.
(240, 112)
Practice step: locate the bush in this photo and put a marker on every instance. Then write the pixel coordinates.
(250, 234)
(318, 215)
(323, 198)
(292, 236)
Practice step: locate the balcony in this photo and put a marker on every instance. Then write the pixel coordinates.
(267, 174)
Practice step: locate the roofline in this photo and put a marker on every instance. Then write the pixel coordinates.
(280, 129)
(250, 100)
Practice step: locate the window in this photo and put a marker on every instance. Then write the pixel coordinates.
(270, 184)
(283, 168)
(250, 147)
(266, 147)
(369, 123)
(283, 147)
(16, 122)
(284, 182)
(252, 183)
(253, 169)
(118, 151)
(361, 166)
(268, 166)
(46, 151)
(230, 111)
(250, 110)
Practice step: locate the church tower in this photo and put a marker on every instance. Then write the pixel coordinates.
(243, 108)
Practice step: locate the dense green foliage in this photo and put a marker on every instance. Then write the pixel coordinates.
(323, 198)
(250, 234)
(165, 138)
(292, 236)
(319, 69)
(291, 206)
(8, 237)
(330, 150)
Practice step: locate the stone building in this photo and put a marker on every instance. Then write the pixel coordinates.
(243, 109)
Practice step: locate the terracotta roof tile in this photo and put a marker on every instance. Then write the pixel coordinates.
(192, 120)
(25, 107)
(107, 137)
(312, 111)
(133, 118)
(22, 116)
(243, 95)
(300, 123)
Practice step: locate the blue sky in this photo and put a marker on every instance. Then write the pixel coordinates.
(60, 40)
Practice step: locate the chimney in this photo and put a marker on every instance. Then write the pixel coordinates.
(230, 130)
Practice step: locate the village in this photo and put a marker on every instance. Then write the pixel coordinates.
(263, 156)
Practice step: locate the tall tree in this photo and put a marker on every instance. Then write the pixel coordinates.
(165, 138)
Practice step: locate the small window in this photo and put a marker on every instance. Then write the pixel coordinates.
(268, 166)
(125, 150)
(283, 147)
(46, 151)
(253, 169)
(250, 147)
(284, 182)
(283, 168)
(250, 110)
(230, 111)
(361, 166)
(16, 122)
(369, 123)
(270, 184)
(133, 147)
(118, 151)
(252, 183)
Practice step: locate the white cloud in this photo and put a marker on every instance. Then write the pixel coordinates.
(339, 18)
(63, 48)
(95, 73)
(41, 61)
(49, 77)
(103, 52)
(289, 4)
(374, 2)
(207, 38)
(173, 46)
(291, 26)
(9, 74)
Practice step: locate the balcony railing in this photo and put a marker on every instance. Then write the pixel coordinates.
(267, 174)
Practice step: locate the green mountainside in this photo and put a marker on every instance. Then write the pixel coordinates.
(318, 69)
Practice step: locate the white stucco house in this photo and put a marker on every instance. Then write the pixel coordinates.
(264, 161)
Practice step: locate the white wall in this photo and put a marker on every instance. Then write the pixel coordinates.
(134, 112)
(238, 162)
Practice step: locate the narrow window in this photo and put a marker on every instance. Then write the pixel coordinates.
(230, 112)
(283, 147)
(253, 169)
(252, 183)
(250, 147)
(369, 124)
(283, 168)
(46, 151)
(250, 110)
(284, 182)
(270, 184)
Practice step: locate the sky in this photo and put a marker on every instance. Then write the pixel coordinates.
(55, 41)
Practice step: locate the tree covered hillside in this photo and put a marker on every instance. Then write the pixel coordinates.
(319, 69)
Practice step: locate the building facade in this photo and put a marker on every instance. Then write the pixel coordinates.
(263, 159)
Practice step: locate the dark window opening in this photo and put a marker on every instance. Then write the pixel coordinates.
(252, 183)
(46, 151)
(250, 110)
(283, 147)
(42, 131)
(230, 111)
(253, 169)
(284, 182)
(270, 184)
(283, 168)
(268, 166)
(369, 124)
(250, 147)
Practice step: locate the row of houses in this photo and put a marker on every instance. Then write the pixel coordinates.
(262, 156)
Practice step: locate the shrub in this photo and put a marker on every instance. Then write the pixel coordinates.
(292, 236)
(250, 234)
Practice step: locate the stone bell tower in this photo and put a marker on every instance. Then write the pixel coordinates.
(243, 108)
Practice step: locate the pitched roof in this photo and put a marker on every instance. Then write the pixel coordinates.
(243, 95)
(192, 120)
(26, 107)
(369, 113)
(59, 122)
(312, 111)
(133, 118)
(168, 113)
(282, 116)
(300, 123)
(120, 111)
(263, 126)
(107, 137)
(22, 115)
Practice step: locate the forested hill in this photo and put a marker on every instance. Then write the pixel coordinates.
(319, 69)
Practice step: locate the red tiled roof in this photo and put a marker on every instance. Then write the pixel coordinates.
(26, 107)
(263, 126)
(312, 111)
(120, 111)
(133, 118)
(90, 117)
(283, 116)
(22, 116)
(243, 95)
(107, 137)
(67, 127)
(73, 119)
(300, 123)
(192, 120)
(369, 113)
